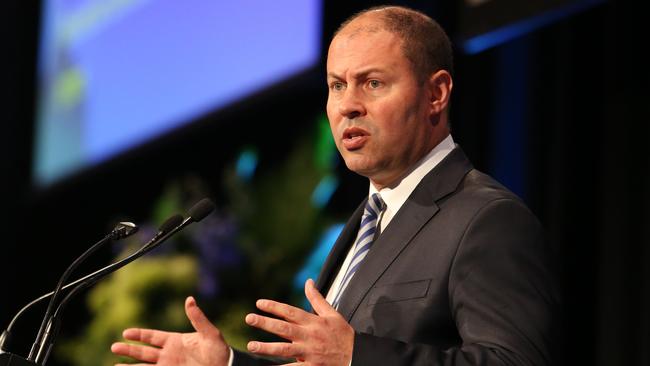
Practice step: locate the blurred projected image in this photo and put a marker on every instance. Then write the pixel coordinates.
(115, 73)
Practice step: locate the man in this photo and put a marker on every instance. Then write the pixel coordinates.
(441, 265)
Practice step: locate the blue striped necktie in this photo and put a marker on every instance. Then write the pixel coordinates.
(362, 245)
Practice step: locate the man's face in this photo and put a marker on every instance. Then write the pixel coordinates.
(378, 111)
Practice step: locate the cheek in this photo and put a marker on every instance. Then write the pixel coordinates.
(330, 107)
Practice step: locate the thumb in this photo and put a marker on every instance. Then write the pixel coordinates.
(317, 301)
(198, 319)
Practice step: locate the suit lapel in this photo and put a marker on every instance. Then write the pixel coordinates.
(418, 209)
(384, 251)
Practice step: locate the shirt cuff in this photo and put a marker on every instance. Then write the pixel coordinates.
(231, 357)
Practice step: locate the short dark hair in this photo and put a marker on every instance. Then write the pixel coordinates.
(424, 42)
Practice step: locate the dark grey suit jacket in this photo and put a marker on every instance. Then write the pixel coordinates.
(460, 276)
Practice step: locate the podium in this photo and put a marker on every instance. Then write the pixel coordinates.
(8, 359)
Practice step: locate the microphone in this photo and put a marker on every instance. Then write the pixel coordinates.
(198, 212)
(168, 225)
(195, 214)
(172, 225)
(121, 230)
(52, 327)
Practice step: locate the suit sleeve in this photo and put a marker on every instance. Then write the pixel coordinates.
(247, 359)
(503, 295)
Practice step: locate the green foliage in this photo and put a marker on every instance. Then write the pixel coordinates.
(146, 293)
(231, 324)
(325, 155)
(278, 220)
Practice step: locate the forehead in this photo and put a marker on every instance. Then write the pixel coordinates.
(362, 44)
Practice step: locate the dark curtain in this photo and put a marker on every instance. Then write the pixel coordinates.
(576, 92)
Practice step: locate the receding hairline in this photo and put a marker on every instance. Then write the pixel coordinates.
(376, 13)
(415, 39)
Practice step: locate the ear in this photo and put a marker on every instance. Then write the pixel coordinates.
(440, 84)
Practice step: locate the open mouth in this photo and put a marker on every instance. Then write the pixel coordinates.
(354, 138)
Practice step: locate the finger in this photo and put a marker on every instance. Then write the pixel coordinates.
(278, 349)
(288, 312)
(132, 364)
(317, 301)
(151, 336)
(276, 326)
(199, 321)
(139, 352)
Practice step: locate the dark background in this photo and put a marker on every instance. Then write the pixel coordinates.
(558, 115)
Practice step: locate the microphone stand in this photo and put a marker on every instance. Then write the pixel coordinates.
(45, 340)
(52, 327)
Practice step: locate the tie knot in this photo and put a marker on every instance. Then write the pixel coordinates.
(375, 205)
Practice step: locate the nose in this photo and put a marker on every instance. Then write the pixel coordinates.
(351, 105)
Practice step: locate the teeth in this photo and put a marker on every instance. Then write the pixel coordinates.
(352, 135)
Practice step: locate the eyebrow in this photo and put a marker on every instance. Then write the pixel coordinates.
(356, 75)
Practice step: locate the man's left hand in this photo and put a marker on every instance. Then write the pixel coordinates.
(324, 338)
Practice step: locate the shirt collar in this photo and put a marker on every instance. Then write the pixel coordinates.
(396, 196)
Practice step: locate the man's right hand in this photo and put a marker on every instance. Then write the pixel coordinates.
(206, 346)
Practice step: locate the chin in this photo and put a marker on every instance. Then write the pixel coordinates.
(360, 163)
(360, 169)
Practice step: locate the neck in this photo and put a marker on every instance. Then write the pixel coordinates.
(391, 182)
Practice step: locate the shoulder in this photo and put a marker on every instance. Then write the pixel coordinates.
(494, 222)
(478, 194)
(480, 188)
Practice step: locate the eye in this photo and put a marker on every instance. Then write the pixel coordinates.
(374, 84)
(337, 86)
